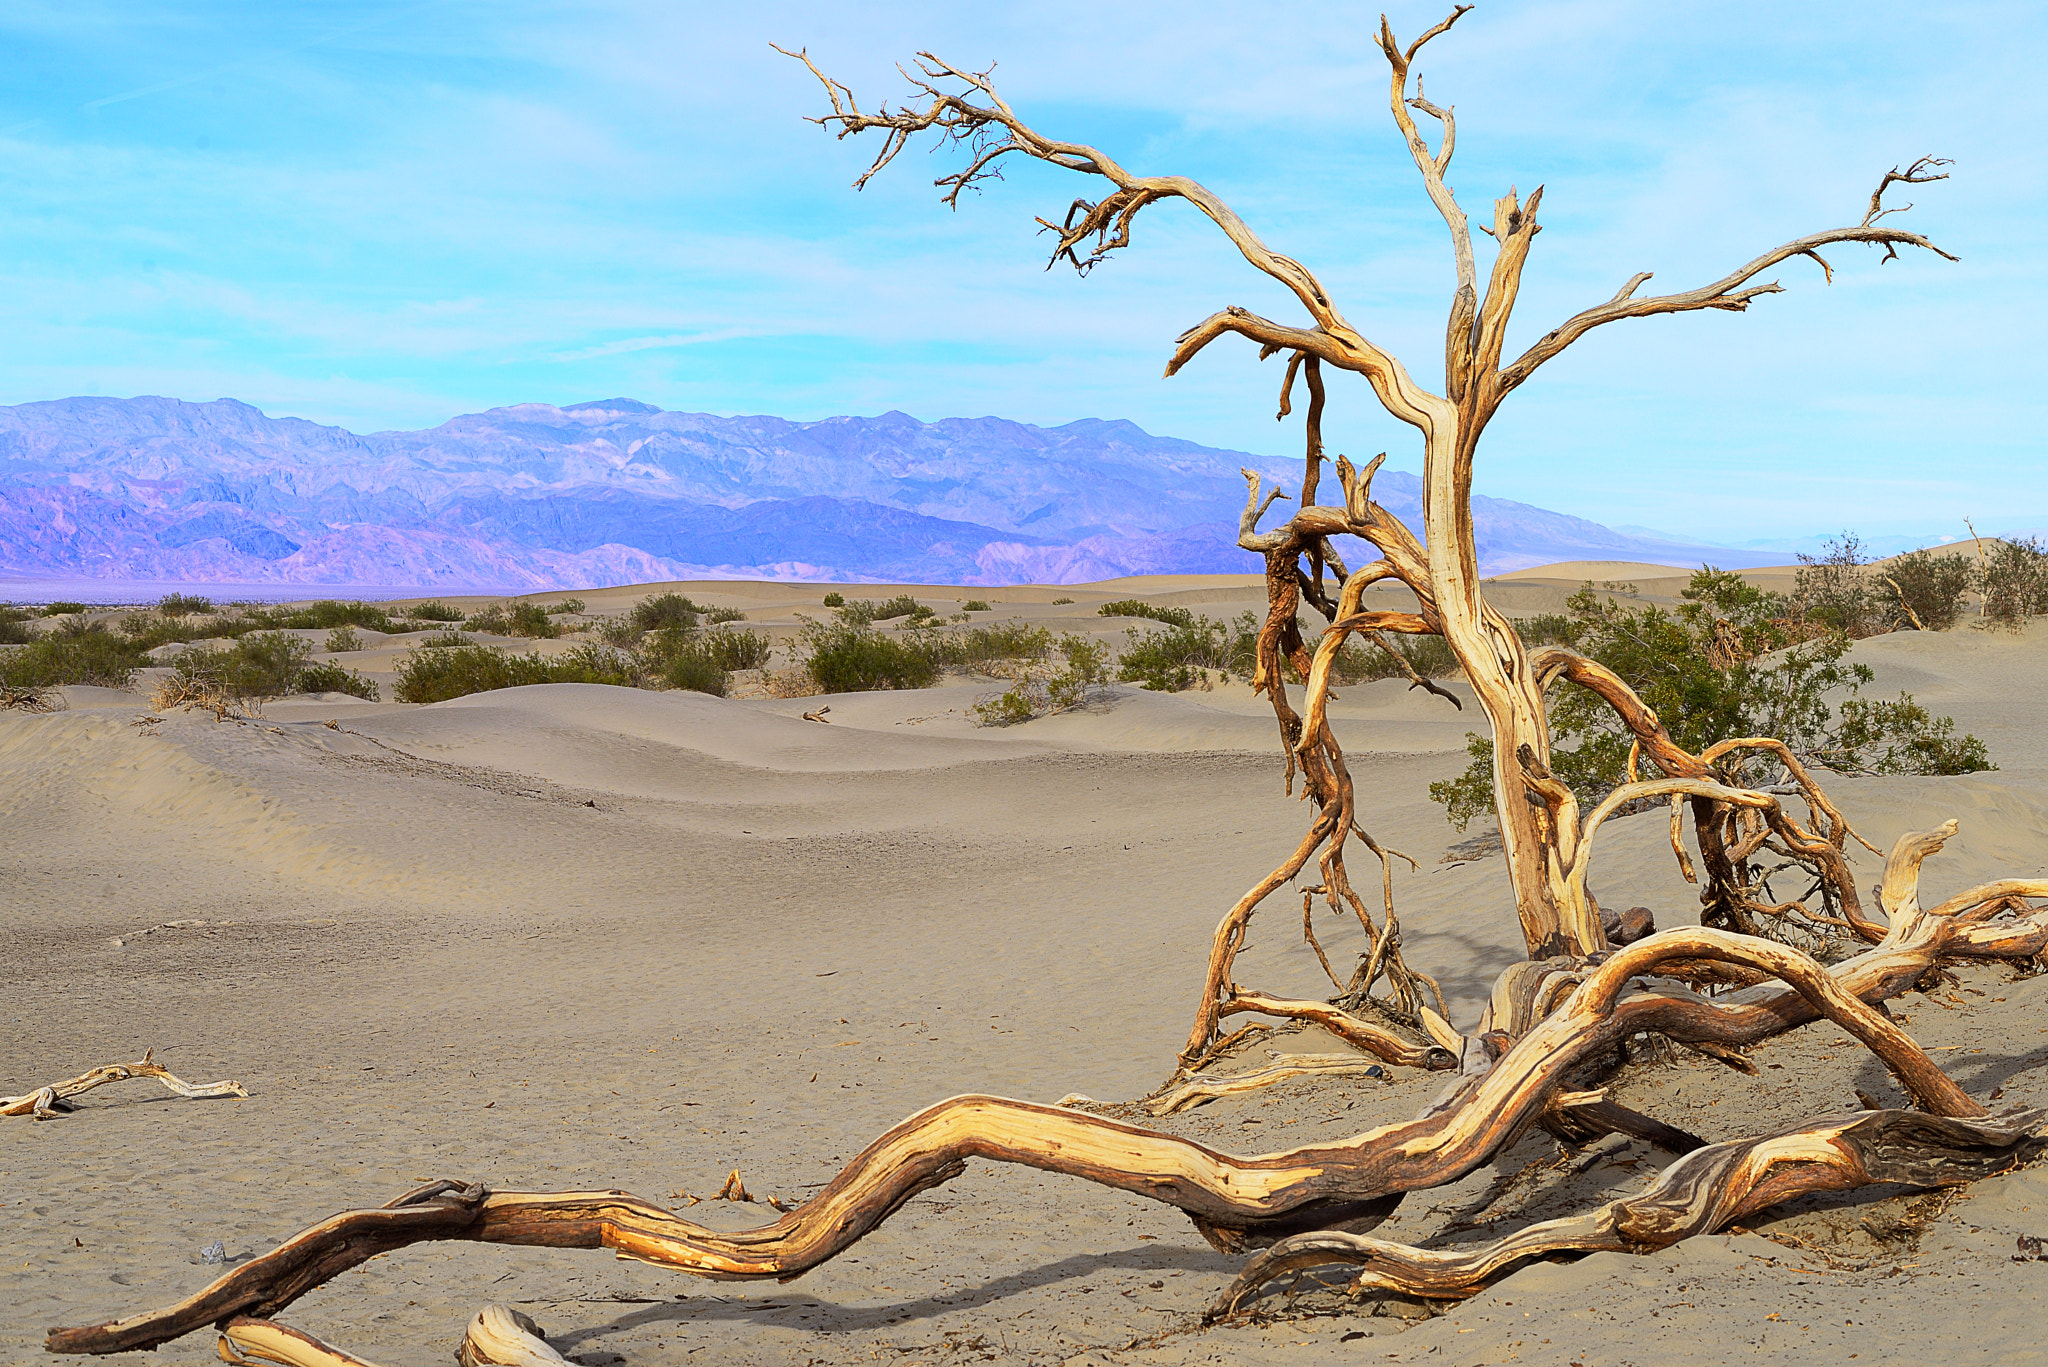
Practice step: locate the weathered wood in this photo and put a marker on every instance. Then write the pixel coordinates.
(45, 1103)
(1703, 1192)
(500, 1336)
(1204, 1087)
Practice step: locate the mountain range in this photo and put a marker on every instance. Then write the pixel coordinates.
(616, 491)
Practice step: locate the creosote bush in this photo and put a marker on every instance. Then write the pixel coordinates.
(516, 619)
(2016, 582)
(1182, 656)
(436, 675)
(64, 608)
(1729, 662)
(343, 640)
(1036, 694)
(1132, 607)
(718, 615)
(567, 607)
(182, 604)
(14, 628)
(852, 657)
(1926, 589)
(433, 610)
(834, 600)
(78, 652)
(976, 605)
(263, 665)
(663, 612)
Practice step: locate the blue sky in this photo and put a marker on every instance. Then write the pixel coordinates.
(384, 214)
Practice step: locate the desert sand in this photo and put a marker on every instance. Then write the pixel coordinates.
(582, 937)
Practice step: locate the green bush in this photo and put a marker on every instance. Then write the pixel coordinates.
(663, 612)
(717, 615)
(332, 678)
(862, 612)
(702, 661)
(1832, 590)
(975, 605)
(850, 657)
(81, 653)
(182, 604)
(444, 640)
(64, 609)
(342, 640)
(2015, 581)
(567, 607)
(1927, 586)
(618, 631)
(1181, 656)
(269, 664)
(1132, 607)
(834, 599)
(1727, 663)
(1087, 666)
(14, 628)
(457, 671)
(323, 615)
(985, 650)
(514, 619)
(1059, 602)
(434, 610)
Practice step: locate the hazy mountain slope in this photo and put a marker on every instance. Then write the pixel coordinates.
(535, 496)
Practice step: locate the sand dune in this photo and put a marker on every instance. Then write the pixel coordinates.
(569, 936)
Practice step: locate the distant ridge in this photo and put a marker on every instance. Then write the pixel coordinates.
(615, 491)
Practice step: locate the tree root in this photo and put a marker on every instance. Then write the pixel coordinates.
(1698, 1194)
(46, 1103)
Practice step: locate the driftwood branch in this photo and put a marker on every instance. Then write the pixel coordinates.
(45, 1103)
(1703, 1192)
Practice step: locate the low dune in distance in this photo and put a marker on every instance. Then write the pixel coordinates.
(581, 937)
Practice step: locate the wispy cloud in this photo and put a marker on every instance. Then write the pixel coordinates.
(674, 339)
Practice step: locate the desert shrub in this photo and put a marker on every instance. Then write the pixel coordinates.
(444, 640)
(342, 640)
(1181, 656)
(1086, 667)
(1547, 629)
(738, 649)
(1061, 602)
(851, 657)
(567, 607)
(986, 649)
(14, 628)
(834, 599)
(79, 653)
(1726, 663)
(1132, 607)
(618, 632)
(1832, 590)
(64, 609)
(457, 671)
(2015, 581)
(702, 660)
(861, 612)
(717, 615)
(663, 612)
(514, 619)
(268, 664)
(332, 678)
(1926, 586)
(434, 610)
(976, 605)
(323, 615)
(182, 604)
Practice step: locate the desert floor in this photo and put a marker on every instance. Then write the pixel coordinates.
(571, 937)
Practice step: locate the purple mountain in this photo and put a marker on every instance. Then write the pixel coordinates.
(533, 497)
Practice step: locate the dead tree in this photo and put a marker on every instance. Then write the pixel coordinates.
(1570, 1003)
